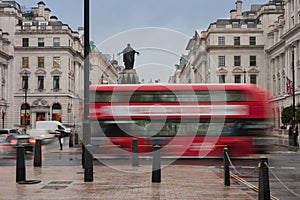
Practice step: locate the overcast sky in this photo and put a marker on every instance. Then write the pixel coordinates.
(158, 29)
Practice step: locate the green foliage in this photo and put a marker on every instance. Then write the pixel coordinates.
(287, 115)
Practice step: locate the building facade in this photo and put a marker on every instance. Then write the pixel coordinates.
(232, 50)
(282, 53)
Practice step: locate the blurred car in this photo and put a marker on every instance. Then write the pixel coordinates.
(25, 140)
(5, 132)
(6, 149)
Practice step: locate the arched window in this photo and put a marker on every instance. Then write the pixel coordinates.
(56, 112)
(25, 114)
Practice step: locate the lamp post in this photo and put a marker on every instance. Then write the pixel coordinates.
(244, 75)
(293, 95)
(25, 88)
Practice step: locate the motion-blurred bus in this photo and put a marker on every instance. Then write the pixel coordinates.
(195, 120)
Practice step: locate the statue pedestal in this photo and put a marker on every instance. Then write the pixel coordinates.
(128, 76)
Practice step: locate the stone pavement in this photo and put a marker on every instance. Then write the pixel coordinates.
(66, 182)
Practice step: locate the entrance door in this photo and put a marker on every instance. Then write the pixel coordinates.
(41, 116)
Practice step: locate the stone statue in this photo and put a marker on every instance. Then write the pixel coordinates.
(128, 56)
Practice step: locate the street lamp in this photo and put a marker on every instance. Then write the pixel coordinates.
(25, 88)
(244, 75)
(293, 95)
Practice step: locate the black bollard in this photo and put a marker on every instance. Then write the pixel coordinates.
(20, 164)
(76, 138)
(82, 155)
(88, 169)
(135, 152)
(37, 162)
(71, 140)
(263, 185)
(226, 167)
(156, 165)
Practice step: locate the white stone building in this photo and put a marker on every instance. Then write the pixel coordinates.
(283, 51)
(232, 50)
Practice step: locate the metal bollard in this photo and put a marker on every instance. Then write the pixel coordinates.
(88, 169)
(135, 152)
(263, 185)
(226, 167)
(20, 164)
(71, 140)
(156, 165)
(82, 155)
(76, 138)
(37, 162)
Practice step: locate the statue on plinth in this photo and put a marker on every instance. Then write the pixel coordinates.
(128, 56)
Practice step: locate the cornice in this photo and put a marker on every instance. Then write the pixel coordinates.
(42, 49)
(224, 47)
(292, 31)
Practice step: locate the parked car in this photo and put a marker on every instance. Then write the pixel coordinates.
(25, 140)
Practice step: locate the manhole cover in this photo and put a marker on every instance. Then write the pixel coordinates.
(54, 187)
(60, 182)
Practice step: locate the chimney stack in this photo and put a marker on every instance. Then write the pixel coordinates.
(239, 7)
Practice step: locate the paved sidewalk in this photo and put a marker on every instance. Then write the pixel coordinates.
(66, 182)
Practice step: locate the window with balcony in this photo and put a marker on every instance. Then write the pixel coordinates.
(221, 40)
(252, 40)
(252, 60)
(237, 60)
(25, 42)
(237, 40)
(41, 62)
(221, 60)
(56, 82)
(40, 82)
(56, 42)
(41, 42)
(25, 62)
(56, 62)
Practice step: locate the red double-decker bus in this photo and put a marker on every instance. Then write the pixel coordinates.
(195, 120)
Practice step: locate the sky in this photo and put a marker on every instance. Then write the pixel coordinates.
(158, 29)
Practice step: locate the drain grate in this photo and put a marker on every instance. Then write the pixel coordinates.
(60, 182)
(54, 187)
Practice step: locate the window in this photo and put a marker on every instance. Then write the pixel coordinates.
(237, 40)
(25, 42)
(237, 78)
(56, 82)
(25, 62)
(56, 42)
(252, 60)
(221, 60)
(24, 82)
(235, 25)
(253, 79)
(252, 40)
(237, 60)
(221, 40)
(40, 82)
(56, 62)
(41, 62)
(25, 114)
(56, 112)
(221, 78)
(41, 42)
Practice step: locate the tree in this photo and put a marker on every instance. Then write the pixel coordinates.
(287, 115)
